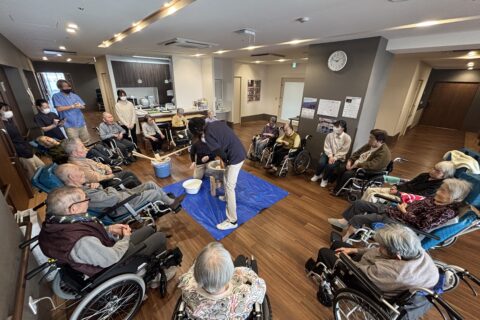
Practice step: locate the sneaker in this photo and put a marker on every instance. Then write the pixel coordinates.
(315, 178)
(222, 198)
(324, 183)
(170, 273)
(226, 225)
(336, 223)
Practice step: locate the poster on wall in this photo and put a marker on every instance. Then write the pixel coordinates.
(351, 107)
(253, 90)
(308, 108)
(325, 125)
(329, 108)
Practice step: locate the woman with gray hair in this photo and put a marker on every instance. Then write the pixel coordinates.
(396, 265)
(426, 214)
(425, 184)
(217, 288)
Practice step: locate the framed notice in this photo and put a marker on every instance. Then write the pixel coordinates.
(253, 90)
(351, 108)
(329, 108)
(308, 107)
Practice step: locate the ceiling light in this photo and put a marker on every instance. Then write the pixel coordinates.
(44, 58)
(72, 25)
(471, 53)
(258, 61)
(305, 58)
(428, 23)
(198, 55)
(134, 24)
(221, 51)
(470, 68)
(166, 4)
(251, 48)
(297, 41)
(69, 59)
(470, 64)
(281, 60)
(171, 10)
(302, 19)
(59, 54)
(70, 30)
(62, 48)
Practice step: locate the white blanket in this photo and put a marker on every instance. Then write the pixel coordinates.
(461, 160)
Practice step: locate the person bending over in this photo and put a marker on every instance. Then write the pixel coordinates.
(109, 129)
(424, 215)
(398, 264)
(216, 288)
(223, 142)
(200, 155)
(69, 235)
(288, 141)
(425, 184)
(105, 198)
(335, 149)
(96, 171)
(374, 156)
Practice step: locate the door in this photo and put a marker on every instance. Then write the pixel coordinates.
(110, 101)
(448, 104)
(237, 100)
(291, 95)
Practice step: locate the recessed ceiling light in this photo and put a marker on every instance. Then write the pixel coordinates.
(134, 24)
(198, 55)
(297, 41)
(428, 23)
(72, 25)
(470, 68)
(44, 58)
(59, 54)
(166, 4)
(62, 48)
(281, 60)
(221, 51)
(305, 58)
(70, 30)
(251, 48)
(69, 59)
(471, 53)
(258, 61)
(470, 64)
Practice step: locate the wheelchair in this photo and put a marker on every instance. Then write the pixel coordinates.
(259, 312)
(265, 152)
(116, 292)
(364, 179)
(360, 299)
(45, 180)
(179, 136)
(299, 159)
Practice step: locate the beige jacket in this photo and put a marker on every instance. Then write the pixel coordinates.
(94, 171)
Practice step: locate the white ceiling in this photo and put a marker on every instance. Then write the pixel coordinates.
(33, 25)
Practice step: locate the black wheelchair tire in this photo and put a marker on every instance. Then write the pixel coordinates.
(302, 162)
(447, 243)
(358, 298)
(267, 314)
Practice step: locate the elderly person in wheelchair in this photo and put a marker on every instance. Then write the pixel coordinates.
(265, 139)
(424, 215)
(110, 131)
(396, 265)
(96, 171)
(372, 157)
(288, 142)
(215, 287)
(425, 184)
(101, 199)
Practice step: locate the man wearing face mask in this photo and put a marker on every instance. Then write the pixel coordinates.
(30, 162)
(69, 106)
(48, 121)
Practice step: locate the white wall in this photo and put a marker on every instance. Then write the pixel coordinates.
(223, 70)
(208, 84)
(271, 77)
(187, 79)
(12, 56)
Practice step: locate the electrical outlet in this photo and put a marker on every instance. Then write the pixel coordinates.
(32, 304)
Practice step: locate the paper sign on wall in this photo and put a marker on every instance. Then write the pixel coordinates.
(308, 108)
(329, 108)
(351, 108)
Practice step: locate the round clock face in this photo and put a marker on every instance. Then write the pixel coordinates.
(337, 60)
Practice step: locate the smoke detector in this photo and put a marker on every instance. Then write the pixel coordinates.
(302, 19)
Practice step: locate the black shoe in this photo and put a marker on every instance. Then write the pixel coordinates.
(335, 236)
(176, 203)
(310, 265)
(324, 297)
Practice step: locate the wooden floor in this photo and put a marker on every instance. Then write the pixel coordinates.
(285, 235)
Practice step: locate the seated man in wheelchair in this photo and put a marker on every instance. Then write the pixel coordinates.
(96, 171)
(289, 141)
(374, 156)
(335, 149)
(425, 184)
(109, 130)
(179, 133)
(423, 215)
(265, 139)
(217, 288)
(84, 244)
(398, 264)
(101, 199)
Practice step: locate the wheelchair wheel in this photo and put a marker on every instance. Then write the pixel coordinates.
(62, 290)
(352, 304)
(301, 162)
(116, 298)
(447, 243)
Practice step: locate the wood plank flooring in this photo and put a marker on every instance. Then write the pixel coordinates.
(285, 235)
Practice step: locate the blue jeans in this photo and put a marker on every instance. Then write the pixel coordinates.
(329, 170)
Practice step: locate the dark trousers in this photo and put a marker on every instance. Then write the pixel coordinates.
(129, 180)
(362, 212)
(241, 261)
(327, 255)
(126, 146)
(278, 155)
(342, 176)
(157, 145)
(329, 171)
(132, 132)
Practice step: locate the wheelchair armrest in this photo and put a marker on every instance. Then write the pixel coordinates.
(28, 242)
(381, 196)
(124, 201)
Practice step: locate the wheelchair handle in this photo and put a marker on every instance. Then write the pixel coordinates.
(38, 206)
(32, 273)
(452, 313)
(28, 242)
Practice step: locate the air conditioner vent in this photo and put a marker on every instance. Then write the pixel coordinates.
(187, 43)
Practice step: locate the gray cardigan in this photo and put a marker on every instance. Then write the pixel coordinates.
(108, 131)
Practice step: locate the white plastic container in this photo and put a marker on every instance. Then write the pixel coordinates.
(192, 186)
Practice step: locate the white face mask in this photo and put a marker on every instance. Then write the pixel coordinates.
(123, 98)
(8, 114)
(337, 130)
(46, 111)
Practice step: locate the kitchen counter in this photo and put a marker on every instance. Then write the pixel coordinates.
(167, 116)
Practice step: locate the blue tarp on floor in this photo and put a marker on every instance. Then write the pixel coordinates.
(253, 195)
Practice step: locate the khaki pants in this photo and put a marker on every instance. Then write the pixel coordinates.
(230, 182)
(81, 133)
(368, 195)
(30, 165)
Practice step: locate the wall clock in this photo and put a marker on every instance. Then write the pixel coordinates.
(337, 60)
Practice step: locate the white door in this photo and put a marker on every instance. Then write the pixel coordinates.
(237, 99)
(292, 94)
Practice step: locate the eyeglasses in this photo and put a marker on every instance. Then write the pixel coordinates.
(78, 202)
